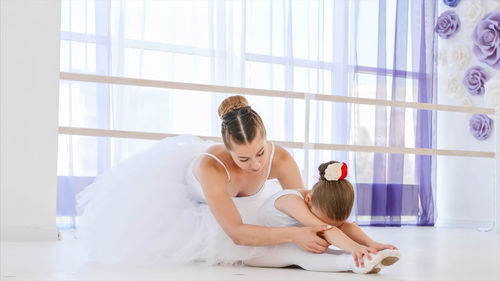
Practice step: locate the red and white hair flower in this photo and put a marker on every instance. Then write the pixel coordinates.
(336, 171)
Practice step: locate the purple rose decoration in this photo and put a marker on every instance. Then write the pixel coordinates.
(486, 39)
(474, 80)
(451, 3)
(447, 24)
(480, 126)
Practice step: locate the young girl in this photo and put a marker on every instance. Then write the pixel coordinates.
(330, 201)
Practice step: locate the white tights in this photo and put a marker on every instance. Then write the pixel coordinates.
(290, 254)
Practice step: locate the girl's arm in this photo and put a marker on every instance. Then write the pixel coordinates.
(294, 206)
(354, 231)
(214, 181)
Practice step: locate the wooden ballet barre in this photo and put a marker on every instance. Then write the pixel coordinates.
(268, 93)
(319, 146)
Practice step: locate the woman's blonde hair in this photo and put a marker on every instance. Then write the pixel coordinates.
(240, 123)
(333, 198)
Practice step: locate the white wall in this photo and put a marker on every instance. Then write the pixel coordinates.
(29, 78)
(465, 185)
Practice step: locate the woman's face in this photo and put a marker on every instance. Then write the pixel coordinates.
(252, 156)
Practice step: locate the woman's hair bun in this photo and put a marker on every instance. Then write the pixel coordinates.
(232, 103)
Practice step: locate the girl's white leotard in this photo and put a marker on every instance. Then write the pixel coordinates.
(269, 215)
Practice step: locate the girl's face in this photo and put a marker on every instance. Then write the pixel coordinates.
(252, 156)
(326, 219)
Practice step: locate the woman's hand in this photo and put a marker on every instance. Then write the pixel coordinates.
(308, 239)
(358, 251)
(379, 246)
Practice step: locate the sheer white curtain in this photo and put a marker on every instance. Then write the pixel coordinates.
(300, 46)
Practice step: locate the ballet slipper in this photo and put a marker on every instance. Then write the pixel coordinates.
(371, 266)
(383, 258)
(389, 257)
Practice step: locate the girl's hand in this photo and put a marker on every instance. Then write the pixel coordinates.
(308, 240)
(379, 246)
(358, 251)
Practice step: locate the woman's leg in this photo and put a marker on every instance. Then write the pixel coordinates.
(290, 254)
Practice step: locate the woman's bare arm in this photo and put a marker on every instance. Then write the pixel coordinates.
(214, 182)
(285, 169)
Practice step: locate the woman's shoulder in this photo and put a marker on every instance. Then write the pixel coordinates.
(211, 165)
(285, 168)
(281, 155)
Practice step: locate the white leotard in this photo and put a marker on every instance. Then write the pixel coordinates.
(195, 186)
(269, 215)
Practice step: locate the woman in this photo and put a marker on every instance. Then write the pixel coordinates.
(186, 199)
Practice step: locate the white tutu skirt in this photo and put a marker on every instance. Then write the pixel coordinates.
(143, 211)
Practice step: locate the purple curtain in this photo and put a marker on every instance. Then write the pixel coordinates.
(388, 200)
(425, 137)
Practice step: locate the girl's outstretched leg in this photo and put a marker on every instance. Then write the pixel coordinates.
(290, 254)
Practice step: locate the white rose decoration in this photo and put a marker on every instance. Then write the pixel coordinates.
(466, 101)
(333, 171)
(442, 57)
(454, 88)
(458, 55)
(492, 92)
(471, 11)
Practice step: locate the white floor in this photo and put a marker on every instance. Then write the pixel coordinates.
(427, 254)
